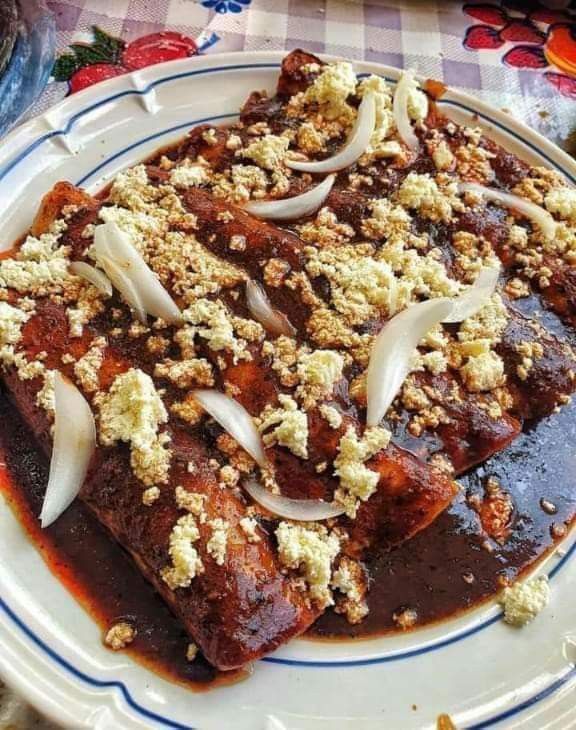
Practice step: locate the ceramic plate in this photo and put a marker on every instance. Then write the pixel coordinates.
(475, 668)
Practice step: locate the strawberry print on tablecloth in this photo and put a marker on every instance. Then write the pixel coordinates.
(106, 56)
(538, 38)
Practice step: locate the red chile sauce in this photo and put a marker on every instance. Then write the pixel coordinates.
(430, 573)
(446, 569)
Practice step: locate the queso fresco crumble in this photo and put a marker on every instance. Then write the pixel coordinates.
(398, 229)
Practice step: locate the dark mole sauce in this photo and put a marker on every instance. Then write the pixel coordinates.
(451, 566)
(446, 569)
(93, 567)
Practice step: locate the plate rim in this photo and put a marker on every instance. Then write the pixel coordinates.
(29, 131)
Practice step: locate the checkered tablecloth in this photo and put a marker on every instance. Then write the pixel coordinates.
(476, 47)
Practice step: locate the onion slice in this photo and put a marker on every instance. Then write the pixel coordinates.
(74, 444)
(234, 419)
(302, 510)
(114, 245)
(271, 319)
(467, 304)
(355, 146)
(125, 286)
(96, 277)
(296, 207)
(533, 212)
(392, 352)
(400, 110)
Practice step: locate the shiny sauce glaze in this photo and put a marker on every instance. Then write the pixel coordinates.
(450, 567)
(446, 569)
(93, 567)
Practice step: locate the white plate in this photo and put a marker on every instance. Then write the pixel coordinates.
(481, 672)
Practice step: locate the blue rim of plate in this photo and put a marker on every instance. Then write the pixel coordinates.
(560, 681)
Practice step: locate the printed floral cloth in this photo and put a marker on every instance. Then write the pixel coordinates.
(515, 55)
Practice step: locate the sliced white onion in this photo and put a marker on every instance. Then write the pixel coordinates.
(271, 319)
(400, 110)
(467, 304)
(234, 419)
(96, 277)
(124, 285)
(74, 444)
(533, 212)
(355, 146)
(302, 510)
(296, 207)
(114, 244)
(392, 352)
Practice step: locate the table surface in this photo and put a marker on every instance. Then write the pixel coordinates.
(523, 61)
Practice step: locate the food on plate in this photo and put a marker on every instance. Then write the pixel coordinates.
(525, 599)
(263, 359)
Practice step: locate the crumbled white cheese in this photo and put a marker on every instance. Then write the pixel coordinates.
(525, 599)
(132, 411)
(350, 580)
(421, 193)
(483, 372)
(442, 156)
(188, 175)
(357, 482)
(436, 362)
(120, 635)
(384, 116)
(243, 183)
(562, 202)
(139, 225)
(11, 321)
(249, 525)
(321, 367)
(45, 396)
(41, 265)
(217, 544)
(417, 101)
(186, 563)
(192, 502)
(150, 495)
(332, 88)
(361, 287)
(420, 274)
(318, 371)
(309, 139)
(489, 323)
(484, 369)
(229, 476)
(234, 142)
(218, 330)
(26, 370)
(267, 152)
(290, 426)
(186, 373)
(332, 415)
(237, 243)
(386, 220)
(312, 551)
(87, 368)
(325, 230)
(88, 305)
(210, 137)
